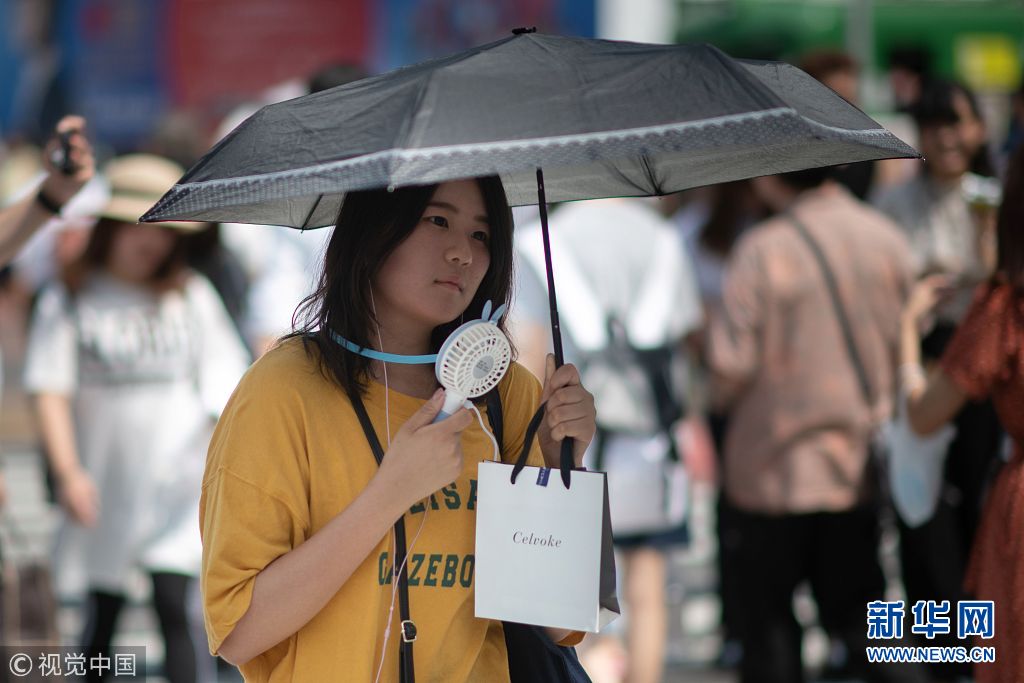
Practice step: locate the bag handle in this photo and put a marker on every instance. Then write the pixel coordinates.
(531, 432)
(406, 672)
(837, 305)
(496, 418)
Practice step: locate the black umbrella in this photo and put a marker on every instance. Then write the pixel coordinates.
(601, 118)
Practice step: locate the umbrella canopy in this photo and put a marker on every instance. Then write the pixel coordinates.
(602, 118)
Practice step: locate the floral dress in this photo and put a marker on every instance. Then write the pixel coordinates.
(986, 359)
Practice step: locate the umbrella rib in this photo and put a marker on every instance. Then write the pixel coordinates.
(409, 124)
(305, 222)
(649, 172)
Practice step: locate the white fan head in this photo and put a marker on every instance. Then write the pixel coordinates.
(473, 359)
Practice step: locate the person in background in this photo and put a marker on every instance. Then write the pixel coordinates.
(982, 360)
(950, 223)
(207, 254)
(178, 137)
(710, 220)
(131, 356)
(933, 208)
(281, 263)
(710, 224)
(909, 72)
(22, 219)
(841, 72)
(797, 465)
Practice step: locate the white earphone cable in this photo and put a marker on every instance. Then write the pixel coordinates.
(494, 442)
(426, 509)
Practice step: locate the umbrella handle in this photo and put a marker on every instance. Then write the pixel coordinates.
(566, 462)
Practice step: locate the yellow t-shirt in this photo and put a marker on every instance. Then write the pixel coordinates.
(287, 456)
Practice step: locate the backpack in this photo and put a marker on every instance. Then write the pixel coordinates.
(636, 391)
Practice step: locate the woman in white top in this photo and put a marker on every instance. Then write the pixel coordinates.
(131, 357)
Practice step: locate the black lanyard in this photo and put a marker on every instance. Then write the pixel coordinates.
(406, 672)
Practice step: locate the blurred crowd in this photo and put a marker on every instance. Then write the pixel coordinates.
(772, 312)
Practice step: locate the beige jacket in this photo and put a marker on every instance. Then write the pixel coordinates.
(799, 428)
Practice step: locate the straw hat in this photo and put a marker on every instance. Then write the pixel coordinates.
(137, 182)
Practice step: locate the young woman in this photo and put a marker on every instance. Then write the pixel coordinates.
(296, 515)
(985, 359)
(131, 357)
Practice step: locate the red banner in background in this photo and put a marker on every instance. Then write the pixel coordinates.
(223, 52)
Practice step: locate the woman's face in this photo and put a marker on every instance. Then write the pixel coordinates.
(433, 275)
(949, 147)
(139, 250)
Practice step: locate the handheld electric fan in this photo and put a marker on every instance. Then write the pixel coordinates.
(472, 361)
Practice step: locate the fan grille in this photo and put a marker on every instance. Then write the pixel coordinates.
(476, 360)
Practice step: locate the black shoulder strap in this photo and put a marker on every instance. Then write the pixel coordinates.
(406, 673)
(668, 407)
(495, 417)
(837, 305)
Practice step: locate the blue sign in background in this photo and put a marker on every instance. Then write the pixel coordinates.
(409, 31)
(101, 58)
(120, 62)
(116, 65)
(8, 63)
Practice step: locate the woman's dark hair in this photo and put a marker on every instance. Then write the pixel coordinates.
(1010, 225)
(170, 274)
(935, 106)
(914, 59)
(730, 214)
(732, 209)
(371, 224)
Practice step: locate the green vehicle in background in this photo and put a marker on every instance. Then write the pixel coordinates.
(978, 42)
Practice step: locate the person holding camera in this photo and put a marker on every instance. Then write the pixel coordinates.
(69, 164)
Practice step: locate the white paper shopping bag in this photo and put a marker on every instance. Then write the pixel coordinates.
(543, 552)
